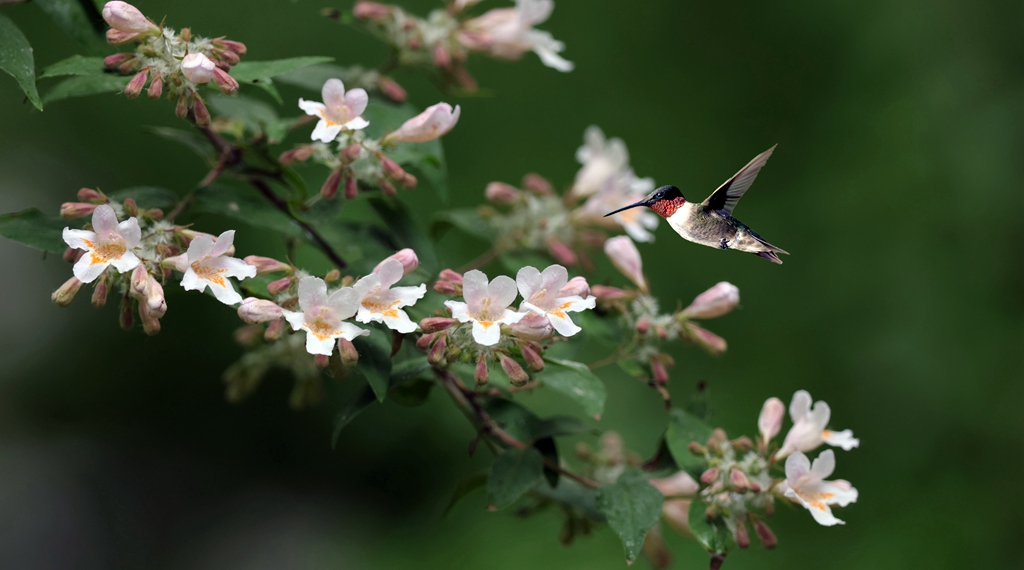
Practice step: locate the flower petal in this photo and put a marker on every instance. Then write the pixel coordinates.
(843, 439)
(345, 301)
(502, 291)
(797, 465)
(460, 311)
(88, 268)
(563, 324)
(223, 243)
(487, 335)
(390, 272)
(295, 319)
(474, 287)
(349, 331)
(333, 93)
(398, 320)
(529, 281)
(312, 293)
(800, 405)
(820, 415)
(316, 345)
(130, 232)
(191, 282)
(356, 124)
(356, 101)
(199, 247)
(824, 464)
(79, 239)
(367, 286)
(104, 221)
(225, 292)
(312, 107)
(126, 262)
(233, 267)
(324, 132)
(842, 492)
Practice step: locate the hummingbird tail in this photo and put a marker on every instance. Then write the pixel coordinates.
(770, 256)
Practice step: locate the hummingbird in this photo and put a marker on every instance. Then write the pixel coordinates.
(710, 222)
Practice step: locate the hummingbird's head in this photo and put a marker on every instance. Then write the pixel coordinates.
(665, 201)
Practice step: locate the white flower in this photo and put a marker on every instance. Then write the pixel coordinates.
(601, 158)
(323, 317)
(339, 111)
(210, 266)
(432, 123)
(616, 192)
(626, 258)
(508, 33)
(486, 305)
(109, 243)
(380, 303)
(806, 484)
(197, 68)
(541, 296)
(124, 17)
(808, 431)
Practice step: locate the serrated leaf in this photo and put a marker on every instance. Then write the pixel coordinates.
(71, 17)
(375, 361)
(575, 380)
(17, 60)
(406, 232)
(632, 506)
(682, 429)
(84, 85)
(248, 71)
(465, 488)
(362, 399)
(194, 142)
(74, 65)
(34, 229)
(713, 536)
(513, 474)
(148, 197)
(465, 219)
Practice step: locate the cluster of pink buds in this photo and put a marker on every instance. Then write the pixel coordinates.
(175, 62)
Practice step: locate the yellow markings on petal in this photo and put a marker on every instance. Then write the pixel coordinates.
(826, 434)
(88, 243)
(321, 327)
(207, 273)
(486, 324)
(385, 309)
(107, 252)
(559, 312)
(827, 496)
(818, 505)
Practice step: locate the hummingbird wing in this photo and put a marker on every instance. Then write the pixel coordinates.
(730, 192)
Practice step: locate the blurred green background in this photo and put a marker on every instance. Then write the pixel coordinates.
(896, 186)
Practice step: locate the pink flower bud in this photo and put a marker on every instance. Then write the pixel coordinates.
(200, 112)
(769, 423)
(274, 330)
(391, 168)
(534, 328)
(300, 153)
(435, 324)
(445, 287)
(197, 68)
(501, 193)
(134, 87)
(88, 195)
(516, 375)
(562, 253)
(643, 325)
(115, 60)
(156, 88)
(351, 186)
(330, 188)
(128, 66)
(676, 485)
(409, 181)
(739, 481)
(659, 372)
(764, 533)
(253, 311)
(533, 360)
(117, 37)
(371, 11)
(425, 340)
(677, 515)
(442, 58)
(605, 293)
(72, 210)
(237, 47)
(743, 444)
(227, 58)
(279, 286)
(708, 477)
(714, 302)
(391, 89)
(577, 286)
(156, 304)
(181, 107)
(150, 323)
(451, 275)
(333, 275)
(99, 293)
(437, 352)
(707, 340)
(347, 351)
(130, 207)
(138, 284)
(388, 188)
(741, 534)
(626, 259)
(72, 255)
(125, 317)
(481, 375)
(225, 82)
(124, 17)
(266, 265)
(464, 77)
(407, 257)
(538, 185)
(434, 122)
(65, 293)
(321, 360)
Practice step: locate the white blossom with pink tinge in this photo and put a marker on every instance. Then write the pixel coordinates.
(626, 258)
(508, 33)
(714, 302)
(340, 110)
(432, 123)
(809, 427)
(601, 159)
(209, 265)
(109, 243)
(323, 317)
(197, 68)
(805, 482)
(541, 296)
(486, 305)
(124, 17)
(619, 190)
(382, 303)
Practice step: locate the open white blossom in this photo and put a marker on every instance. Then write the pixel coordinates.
(382, 303)
(619, 190)
(808, 431)
(806, 484)
(508, 33)
(339, 111)
(540, 291)
(601, 159)
(486, 305)
(208, 265)
(109, 243)
(323, 317)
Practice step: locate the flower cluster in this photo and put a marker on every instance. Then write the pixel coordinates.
(483, 327)
(445, 38)
(175, 62)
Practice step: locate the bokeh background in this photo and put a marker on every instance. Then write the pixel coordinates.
(896, 186)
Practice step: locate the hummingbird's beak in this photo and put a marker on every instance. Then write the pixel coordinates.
(640, 203)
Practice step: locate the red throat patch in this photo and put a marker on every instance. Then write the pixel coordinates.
(665, 208)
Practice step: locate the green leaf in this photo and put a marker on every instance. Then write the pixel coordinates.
(513, 262)
(411, 394)
(83, 85)
(248, 71)
(34, 229)
(424, 160)
(359, 402)
(518, 421)
(71, 17)
(466, 487)
(244, 204)
(148, 197)
(560, 425)
(408, 370)
(714, 536)
(571, 493)
(682, 429)
(465, 219)
(313, 77)
(375, 360)
(632, 506)
(257, 115)
(549, 450)
(74, 65)
(406, 232)
(16, 59)
(575, 380)
(267, 84)
(513, 474)
(191, 140)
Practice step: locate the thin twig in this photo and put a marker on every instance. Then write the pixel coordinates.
(280, 204)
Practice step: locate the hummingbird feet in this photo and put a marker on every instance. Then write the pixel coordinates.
(724, 244)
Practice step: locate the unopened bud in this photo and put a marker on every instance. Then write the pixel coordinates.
(200, 112)
(99, 293)
(407, 257)
(228, 58)
(150, 323)
(156, 88)
(658, 371)
(181, 107)
(742, 444)
(130, 207)
(332, 276)
(764, 533)
(708, 477)
(714, 302)
(65, 293)
(577, 286)
(717, 439)
(134, 87)
(481, 375)
(739, 481)
(562, 253)
(435, 324)
(224, 81)
(351, 153)
(330, 188)
(537, 184)
(117, 37)
(253, 311)
(742, 537)
(425, 340)
(115, 60)
(709, 341)
(391, 168)
(124, 17)
(72, 210)
(279, 286)
(237, 47)
(125, 317)
(711, 513)
(441, 56)
(661, 331)
(605, 293)
(697, 449)
(155, 302)
(408, 181)
(643, 325)
(501, 193)
(198, 68)
(128, 66)
(451, 275)
(88, 195)
(391, 89)
(138, 285)
(274, 330)
(351, 186)
(347, 351)
(185, 34)
(464, 77)
(300, 153)
(387, 188)
(516, 375)
(322, 360)
(436, 354)
(533, 360)
(444, 288)
(266, 265)
(370, 11)
(72, 255)
(769, 423)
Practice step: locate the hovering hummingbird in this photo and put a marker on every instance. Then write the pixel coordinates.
(711, 223)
